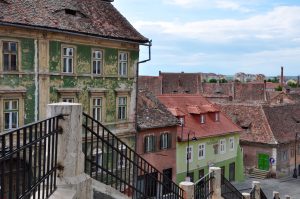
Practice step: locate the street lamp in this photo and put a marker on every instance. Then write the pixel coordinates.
(188, 178)
(295, 169)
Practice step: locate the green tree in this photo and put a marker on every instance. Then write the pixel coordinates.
(278, 88)
(212, 81)
(223, 80)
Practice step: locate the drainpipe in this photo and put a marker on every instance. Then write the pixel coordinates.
(36, 82)
(137, 89)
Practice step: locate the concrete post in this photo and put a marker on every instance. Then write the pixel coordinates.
(216, 182)
(189, 189)
(246, 195)
(70, 158)
(287, 197)
(256, 186)
(276, 195)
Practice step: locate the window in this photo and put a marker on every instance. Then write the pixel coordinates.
(201, 151)
(231, 143)
(181, 121)
(284, 155)
(11, 114)
(121, 157)
(122, 108)
(68, 57)
(97, 62)
(10, 56)
(97, 109)
(189, 153)
(69, 100)
(217, 117)
(165, 141)
(202, 118)
(149, 143)
(292, 151)
(222, 146)
(123, 62)
(190, 175)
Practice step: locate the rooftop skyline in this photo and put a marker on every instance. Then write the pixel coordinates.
(219, 36)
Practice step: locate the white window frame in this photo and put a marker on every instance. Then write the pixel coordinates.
(222, 146)
(122, 108)
(165, 140)
(10, 53)
(217, 116)
(231, 143)
(97, 108)
(201, 151)
(150, 145)
(202, 118)
(123, 63)
(181, 121)
(189, 153)
(66, 57)
(97, 62)
(11, 112)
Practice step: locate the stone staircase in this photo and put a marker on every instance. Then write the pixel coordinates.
(258, 174)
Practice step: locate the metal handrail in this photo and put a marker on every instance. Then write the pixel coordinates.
(228, 191)
(112, 162)
(28, 160)
(203, 189)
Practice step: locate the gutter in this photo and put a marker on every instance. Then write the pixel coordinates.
(149, 44)
(76, 33)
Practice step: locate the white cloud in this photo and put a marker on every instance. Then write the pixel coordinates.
(231, 5)
(280, 23)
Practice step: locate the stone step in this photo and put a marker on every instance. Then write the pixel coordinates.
(259, 174)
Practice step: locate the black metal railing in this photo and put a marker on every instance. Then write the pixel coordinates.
(228, 191)
(203, 188)
(28, 160)
(262, 194)
(112, 162)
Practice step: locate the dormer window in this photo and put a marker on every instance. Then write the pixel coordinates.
(202, 118)
(70, 12)
(217, 117)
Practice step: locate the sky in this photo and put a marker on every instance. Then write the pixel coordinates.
(218, 36)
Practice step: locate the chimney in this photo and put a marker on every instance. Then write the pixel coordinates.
(265, 90)
(281, 77)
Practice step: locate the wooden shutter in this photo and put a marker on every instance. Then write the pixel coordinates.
(161, 141)
(169, 140)
(153, 143)
(145, 144)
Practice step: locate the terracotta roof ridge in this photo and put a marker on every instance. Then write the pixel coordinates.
(268, 125)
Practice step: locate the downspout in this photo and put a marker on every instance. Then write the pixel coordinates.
(36, 82)
(137, 87)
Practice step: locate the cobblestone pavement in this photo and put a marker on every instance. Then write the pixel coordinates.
(285, 186)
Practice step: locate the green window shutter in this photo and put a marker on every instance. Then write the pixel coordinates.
(153, 143)
(160, 141)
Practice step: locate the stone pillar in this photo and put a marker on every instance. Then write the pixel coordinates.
(287, 197)
(70, 158)
(189, 189)
(256, 186)
(246, 195)
(216, 182)
(276, 195)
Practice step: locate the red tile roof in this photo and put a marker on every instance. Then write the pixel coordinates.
(192, 122)
(91, 17)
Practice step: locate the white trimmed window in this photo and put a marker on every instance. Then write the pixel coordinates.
(69, 100)
(10, 56)
(189, 153)
(97, 109)
(68, 60)
(122, 108)
(201, 151)
(222, 146)
(181, 121)
(97, 62)
(202, 118)
(217, 117)
(165, 141)
(149, 143)
(11, 114)
(123, 63)
(231, 143)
